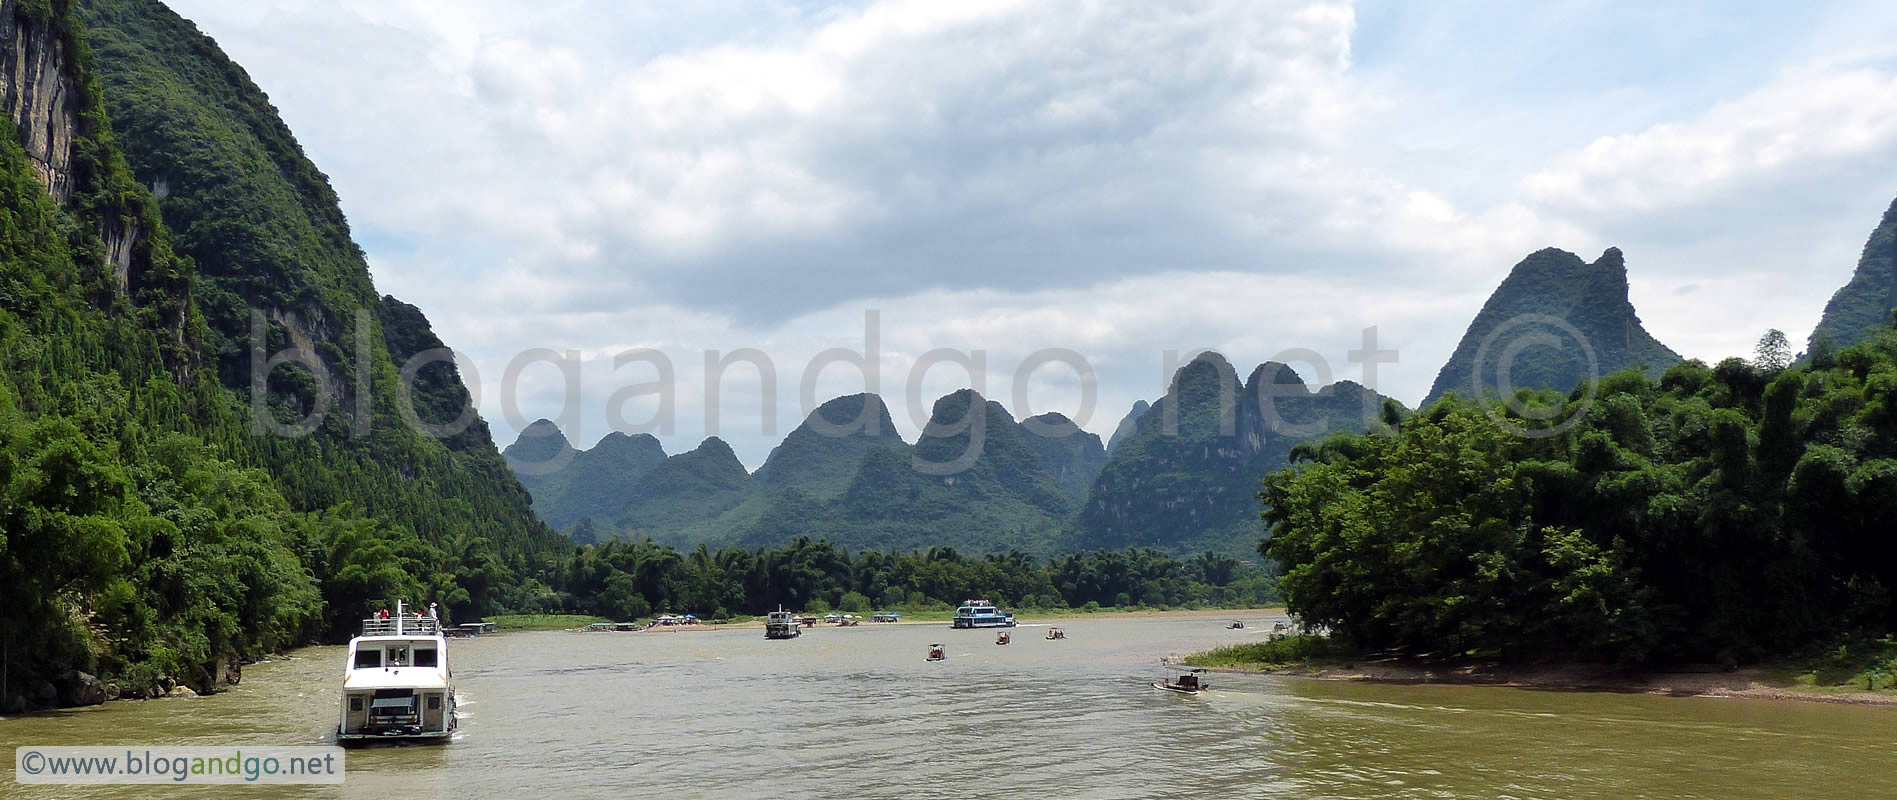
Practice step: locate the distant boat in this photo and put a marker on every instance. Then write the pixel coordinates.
(1181, 679)
(396, 682)
(1002, 638)
(936, 653)
(1056, 633)
(981, 614)
(1236, 625)
(781, 624)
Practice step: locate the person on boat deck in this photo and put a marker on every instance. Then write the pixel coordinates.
(431, 611)
(383, 614)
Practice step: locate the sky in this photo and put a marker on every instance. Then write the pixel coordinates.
(1058, 202)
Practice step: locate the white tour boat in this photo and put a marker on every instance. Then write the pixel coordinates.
(397, 685)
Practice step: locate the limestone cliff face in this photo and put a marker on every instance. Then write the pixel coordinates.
(39, 91)
(41, 94)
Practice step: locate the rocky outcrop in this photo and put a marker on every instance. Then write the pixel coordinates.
(40, 95)
(120, 237)
(1554, 323)
(80, 689)
(229, 671)
(39, 92)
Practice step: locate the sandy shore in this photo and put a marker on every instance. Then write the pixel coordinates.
(1755, 683)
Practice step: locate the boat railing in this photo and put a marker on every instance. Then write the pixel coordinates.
(398, 626)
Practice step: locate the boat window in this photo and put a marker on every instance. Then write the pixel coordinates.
(434, 702)
(367, 658)
(425, 656)
(355, 703)
(398, 656)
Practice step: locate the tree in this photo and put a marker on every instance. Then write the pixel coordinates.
(1718, 515)
(1774, 352)
(1824, 351)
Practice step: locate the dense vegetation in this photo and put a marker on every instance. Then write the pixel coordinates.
(1183, 479)
(1727, 513)
(571, 485)
(858, 484)
(263, 226)
(150, 537)
(1861, 306)
(625, 580)
(1590, 298)
(1040, 485)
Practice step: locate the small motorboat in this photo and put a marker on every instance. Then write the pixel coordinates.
(1002, 638)
(936, 653)
(1056, 633)
(1182, 679)
(1236, 626)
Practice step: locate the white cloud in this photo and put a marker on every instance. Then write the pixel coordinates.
(1807, 122)
(1116, 178)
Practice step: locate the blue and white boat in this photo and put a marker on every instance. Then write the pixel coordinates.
(982, 614)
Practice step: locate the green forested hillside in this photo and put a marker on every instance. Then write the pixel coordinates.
(1717, 514)
(153, 536)
(823, 453)
(1863, 306)
(1069, 455)
(1010, 487)
(687, 488)
(1589, 298)
(573, 486)
(1182, 480)
(265, 230)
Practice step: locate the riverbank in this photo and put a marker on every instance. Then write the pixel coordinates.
(1770, 682)
(942, 617)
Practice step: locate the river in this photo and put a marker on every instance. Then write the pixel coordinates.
(848, 713)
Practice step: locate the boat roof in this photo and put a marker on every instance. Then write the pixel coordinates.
(396, 678)
(406, 637)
